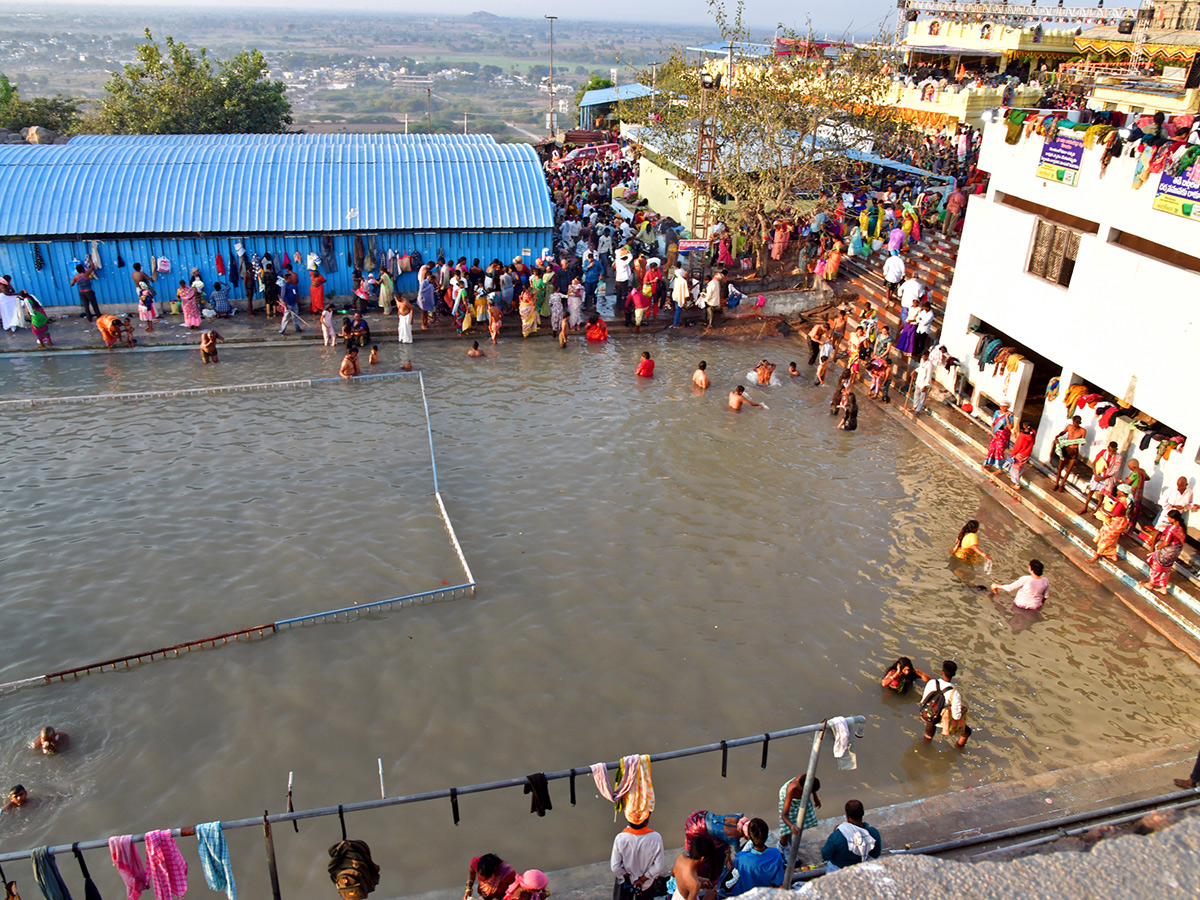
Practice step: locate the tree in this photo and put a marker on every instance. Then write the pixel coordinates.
(182, 92)
(58, 113)
(595, 83)
(788, 127)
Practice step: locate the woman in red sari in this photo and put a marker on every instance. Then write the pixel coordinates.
(1164, 552)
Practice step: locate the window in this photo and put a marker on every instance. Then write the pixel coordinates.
(1054, 252)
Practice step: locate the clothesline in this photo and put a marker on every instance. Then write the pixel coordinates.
(453, 794)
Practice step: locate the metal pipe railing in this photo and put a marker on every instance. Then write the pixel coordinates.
(451, 794)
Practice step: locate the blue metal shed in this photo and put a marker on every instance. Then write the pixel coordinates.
(599, 102)
(190, 198)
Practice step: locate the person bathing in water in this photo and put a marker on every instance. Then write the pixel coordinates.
(738, 398)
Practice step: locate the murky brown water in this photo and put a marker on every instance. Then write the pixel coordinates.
(654, 572)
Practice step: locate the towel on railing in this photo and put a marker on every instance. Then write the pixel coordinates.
(214, 859)
(47, 876)
(166, 865)
(129, 865)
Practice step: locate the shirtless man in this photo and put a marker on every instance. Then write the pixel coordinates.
(17, 796)
(475, 352)
(139, 277)
(817, 335)
(1068, 441)
(350, 364)
(700, 376)
(793, 371)
(689, 885)
(738, 398)
(50, 741)
(208, 345)
(763, 372)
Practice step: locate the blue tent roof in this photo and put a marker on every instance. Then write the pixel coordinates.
(253, 183)
(613, 94)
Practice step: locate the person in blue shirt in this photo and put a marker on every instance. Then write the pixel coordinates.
(591, 278)
(852, 842)
(758, 865)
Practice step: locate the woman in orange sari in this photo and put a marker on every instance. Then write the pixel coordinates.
(1110, 532)
(833, 261)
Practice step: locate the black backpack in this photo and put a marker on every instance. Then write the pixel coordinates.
(932, 706)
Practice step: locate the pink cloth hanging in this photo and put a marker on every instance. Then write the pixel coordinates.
(129, 865)
(600, 776)
(168, 868)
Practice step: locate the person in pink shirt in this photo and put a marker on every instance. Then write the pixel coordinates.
(1031, 589)
(645, 368)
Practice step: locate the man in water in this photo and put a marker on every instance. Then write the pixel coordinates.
(208, 345)
(645, 368)
(700, 376)
(17, 796)
(763, 372)
(350, 364)
(475, 352)
(50, 741)
(737, 398)
(852, 842)
(1068, 441)
(954, 712)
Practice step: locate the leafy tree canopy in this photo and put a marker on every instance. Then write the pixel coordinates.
(787, 127)
(595, 83)
(58, 113)
(178, 91)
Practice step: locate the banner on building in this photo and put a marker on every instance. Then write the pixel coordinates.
(1178, 195)
(1061, 158)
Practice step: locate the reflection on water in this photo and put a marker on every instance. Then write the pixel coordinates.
(655, 571)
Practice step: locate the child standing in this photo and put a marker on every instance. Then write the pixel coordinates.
(146, 311)
(328, 335)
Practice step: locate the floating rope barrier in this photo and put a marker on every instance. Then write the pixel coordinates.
(259, 632)
(196, 392)
(452, 794)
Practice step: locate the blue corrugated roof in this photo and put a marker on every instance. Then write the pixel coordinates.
(245, 184)
(613, 94)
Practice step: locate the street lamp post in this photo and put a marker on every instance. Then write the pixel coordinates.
(551, 123)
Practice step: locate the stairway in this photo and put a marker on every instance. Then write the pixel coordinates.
(860, 282)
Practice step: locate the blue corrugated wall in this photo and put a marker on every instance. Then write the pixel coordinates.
(114, 288)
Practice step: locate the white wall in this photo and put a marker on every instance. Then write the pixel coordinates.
(1125, 316)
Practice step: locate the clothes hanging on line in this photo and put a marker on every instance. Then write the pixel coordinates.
(600, 776)
(166, 865)
(214, 859)
(537, 786)
(129, 865)
(46, 874)
(639, 802)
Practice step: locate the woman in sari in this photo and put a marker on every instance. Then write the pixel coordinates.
(597, 331)
(1110, 532)
(724, 257)
(833, 262)
(190, 302)
(460, 307)
(494, 315)
(556, 312)
(539, 283)
(39, 322)
(528, 312)
(779, 240)
(1163, 553)
(1002, 423)
(575, 303)
(859, 247)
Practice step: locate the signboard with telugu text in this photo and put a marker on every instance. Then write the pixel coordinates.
(1180, 194)
(1061, 159)
(692, 244)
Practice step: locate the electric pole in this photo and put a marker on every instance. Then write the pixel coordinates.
(551, 123)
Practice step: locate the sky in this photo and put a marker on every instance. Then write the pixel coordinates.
(863, 16)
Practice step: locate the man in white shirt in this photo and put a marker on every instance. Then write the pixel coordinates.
(711, 301)
(921, 383)
(622, 272)
(1178, 497)
(924, 321)
(637, 858)
(953, 717)
(893, 273)
(679, 293)
(909, 292)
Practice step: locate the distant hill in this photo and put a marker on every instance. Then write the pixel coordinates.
(482, 16)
